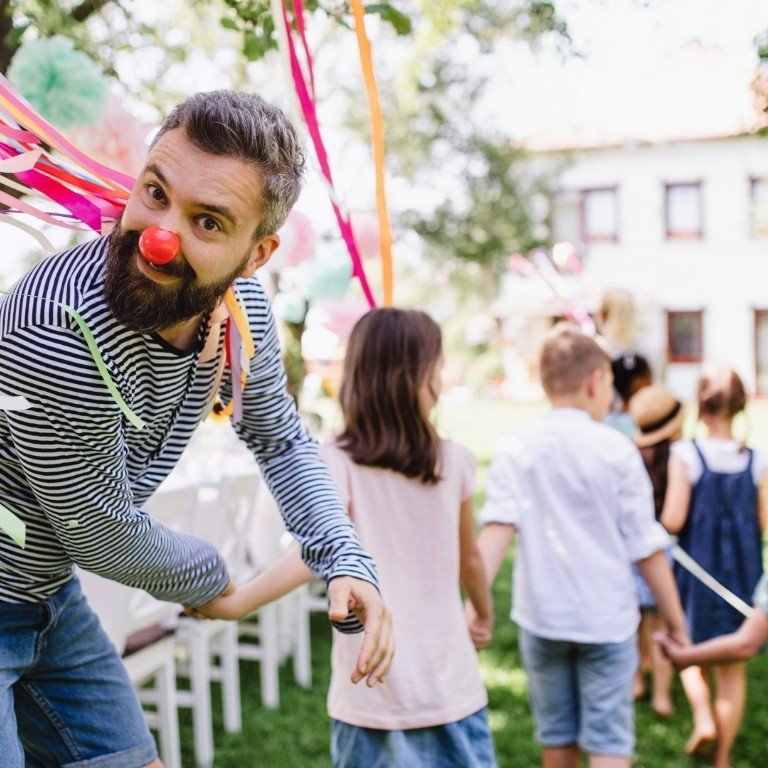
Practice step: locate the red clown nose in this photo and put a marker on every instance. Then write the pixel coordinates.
(159, 246)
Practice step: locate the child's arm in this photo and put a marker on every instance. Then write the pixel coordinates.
(658, 576)
(472, 578)
(762, 502)
(677, 498)
(494, 542)
(279, 579)
(740, 645)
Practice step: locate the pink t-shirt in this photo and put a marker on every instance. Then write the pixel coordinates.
(412, 531)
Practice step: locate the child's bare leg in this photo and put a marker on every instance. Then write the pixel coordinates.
(729, 707)
(696, 685)
(662, 673)
(605, 761)
(560, 757)
(644, 645)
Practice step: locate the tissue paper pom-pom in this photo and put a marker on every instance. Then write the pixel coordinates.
(118, 139)
(62, 84)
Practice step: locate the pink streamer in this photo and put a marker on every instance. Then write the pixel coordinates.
(298, 14)
(53, 137)
(310, 116)
(22, 207)
(235, 342)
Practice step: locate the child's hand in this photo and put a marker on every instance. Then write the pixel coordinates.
(673, 649)
(226, 606)
(480, 629)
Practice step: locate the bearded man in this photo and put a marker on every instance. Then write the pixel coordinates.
(220, 178)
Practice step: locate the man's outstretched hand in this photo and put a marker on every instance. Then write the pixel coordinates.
(345, 594)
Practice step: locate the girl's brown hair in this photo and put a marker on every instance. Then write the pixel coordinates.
(720, 392)
(391, 353)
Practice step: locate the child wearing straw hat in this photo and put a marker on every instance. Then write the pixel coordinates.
(716, 504)
(658, 417)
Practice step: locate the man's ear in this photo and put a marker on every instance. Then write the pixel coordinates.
(261, 254)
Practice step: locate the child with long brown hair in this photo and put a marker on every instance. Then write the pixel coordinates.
(716, 505)
(409, 493)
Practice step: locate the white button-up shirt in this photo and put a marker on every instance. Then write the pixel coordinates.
(579, 495)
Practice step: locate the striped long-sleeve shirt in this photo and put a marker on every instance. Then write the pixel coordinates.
(76, 471)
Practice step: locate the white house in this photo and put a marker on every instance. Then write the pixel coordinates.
(683, 226)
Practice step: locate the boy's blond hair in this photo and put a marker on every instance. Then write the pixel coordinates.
(568, 357)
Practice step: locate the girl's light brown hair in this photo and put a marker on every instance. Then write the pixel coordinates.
(720, 391)
(390, 355)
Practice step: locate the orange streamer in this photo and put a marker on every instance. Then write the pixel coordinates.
(377, 139)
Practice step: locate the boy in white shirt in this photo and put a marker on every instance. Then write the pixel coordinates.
(579, 495)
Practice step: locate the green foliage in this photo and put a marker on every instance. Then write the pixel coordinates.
(253, 19)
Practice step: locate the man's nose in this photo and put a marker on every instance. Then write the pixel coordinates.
(158, 245)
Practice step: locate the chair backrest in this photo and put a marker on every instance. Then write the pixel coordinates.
(227, 519)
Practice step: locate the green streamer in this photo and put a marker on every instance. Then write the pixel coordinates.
(13, 526)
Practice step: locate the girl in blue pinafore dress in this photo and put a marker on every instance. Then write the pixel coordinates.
(713, 502)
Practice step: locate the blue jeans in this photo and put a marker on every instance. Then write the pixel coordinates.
(467, 743)
(65, 698)
(581, 693)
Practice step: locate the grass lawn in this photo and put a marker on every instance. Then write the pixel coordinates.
(296, 735)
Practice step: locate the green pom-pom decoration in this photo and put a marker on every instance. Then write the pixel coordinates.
(62, 84)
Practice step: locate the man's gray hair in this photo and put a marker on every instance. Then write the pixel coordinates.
(245, 127)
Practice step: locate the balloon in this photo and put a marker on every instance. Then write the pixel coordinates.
(289, 307)
(337, 316)
(327, 276)
(366, 229)
(297, 239)
(159, 246)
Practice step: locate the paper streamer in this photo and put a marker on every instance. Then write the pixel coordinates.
(309, 112)
(13, 526)
(377, 140)
(95, 354)
(89, 191)
(239, 347)
(710, 581)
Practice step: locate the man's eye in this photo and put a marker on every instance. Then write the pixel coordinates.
(209, 224)
(155, 192)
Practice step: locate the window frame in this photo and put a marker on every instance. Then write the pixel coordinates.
(753, 229)
(585, 236)
(699, 337)
(697, 234)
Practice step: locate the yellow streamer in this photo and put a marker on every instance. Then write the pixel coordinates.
(377, 139)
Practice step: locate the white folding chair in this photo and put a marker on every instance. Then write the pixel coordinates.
(182, 509)
(281, 628)
(125, 614)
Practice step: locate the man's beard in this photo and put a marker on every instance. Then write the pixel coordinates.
(146, 306)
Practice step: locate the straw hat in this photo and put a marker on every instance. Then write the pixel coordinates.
(657, 413)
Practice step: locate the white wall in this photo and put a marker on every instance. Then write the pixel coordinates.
(725, 273)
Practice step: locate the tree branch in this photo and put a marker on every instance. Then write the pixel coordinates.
(87, 8)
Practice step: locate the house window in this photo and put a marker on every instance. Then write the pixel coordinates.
(585, 215)
(761, 351)
(684, 337)
(683, 211)
(758, 199)
(565, 218)
(599, 215)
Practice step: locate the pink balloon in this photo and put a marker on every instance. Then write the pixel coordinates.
(297, 239)
(366, 229)
(341, 316)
